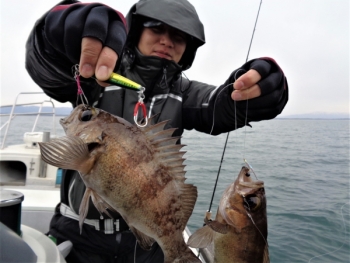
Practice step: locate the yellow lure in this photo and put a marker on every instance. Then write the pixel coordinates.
(117, 79)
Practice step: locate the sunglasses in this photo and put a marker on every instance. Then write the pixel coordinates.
(160, 28)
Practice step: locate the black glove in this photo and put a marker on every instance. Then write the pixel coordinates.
(274, 91)
(54, 45)
(66, 25)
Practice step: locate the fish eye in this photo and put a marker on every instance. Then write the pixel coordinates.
(252, 202)
(86, 115)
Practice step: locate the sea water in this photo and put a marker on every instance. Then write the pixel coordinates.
(305, 167)
(304, 164)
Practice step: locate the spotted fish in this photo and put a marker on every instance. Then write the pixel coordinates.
(239, 231)
(135, 171)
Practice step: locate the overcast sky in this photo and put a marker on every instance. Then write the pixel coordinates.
(309, 40)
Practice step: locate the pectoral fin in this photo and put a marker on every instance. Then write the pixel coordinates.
(218, 227)
(68, 152)
(145, 241)
(84, 207)
(100, 204)
(201, 238)
(204, 236)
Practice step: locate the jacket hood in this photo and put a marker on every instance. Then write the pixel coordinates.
(179, 14)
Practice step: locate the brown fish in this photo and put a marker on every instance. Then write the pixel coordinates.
(138, 172)
(239, 231)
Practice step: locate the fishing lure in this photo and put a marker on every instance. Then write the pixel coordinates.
(116, 79)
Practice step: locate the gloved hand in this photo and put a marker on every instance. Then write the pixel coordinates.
(91, 35)
(262, 82)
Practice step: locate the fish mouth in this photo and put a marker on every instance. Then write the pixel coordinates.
(245, 179)
(253, 184)
(62, 121)
(245, 184)
(63, 124)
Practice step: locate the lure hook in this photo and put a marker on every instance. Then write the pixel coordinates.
(143, 107)
(80, 92)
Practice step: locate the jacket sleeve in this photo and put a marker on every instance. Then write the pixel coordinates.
(211, 110)
(54, 46)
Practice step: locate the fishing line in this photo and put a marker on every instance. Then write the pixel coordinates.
(341, 211)
(251, 218)
(227, 136)
(245, 130)
(246, 117)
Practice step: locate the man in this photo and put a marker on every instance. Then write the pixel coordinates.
(162, 40)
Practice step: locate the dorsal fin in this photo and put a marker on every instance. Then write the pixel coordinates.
(175, 162)
(165, 141)
(177, 167)
(171, 148)
(161, 134)
(166, 148)
(152, 120)
(150, 129)
(170, 155)
(168, 152)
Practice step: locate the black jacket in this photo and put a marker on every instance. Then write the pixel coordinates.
(53, 47)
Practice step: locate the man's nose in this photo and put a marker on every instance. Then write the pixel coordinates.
(165, 39)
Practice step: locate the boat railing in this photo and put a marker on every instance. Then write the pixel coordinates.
(39, 113)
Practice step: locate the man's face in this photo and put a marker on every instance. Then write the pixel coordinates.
(162, 41)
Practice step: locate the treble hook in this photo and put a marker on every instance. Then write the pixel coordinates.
(80, 93)
(143, 107)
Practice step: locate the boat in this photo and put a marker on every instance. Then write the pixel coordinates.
(33, 186)
(28, 186)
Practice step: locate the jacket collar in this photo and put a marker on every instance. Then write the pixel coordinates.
(155, 74)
